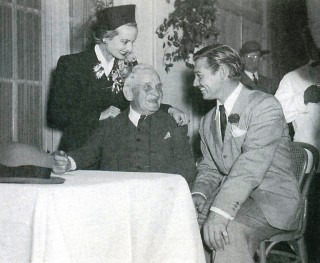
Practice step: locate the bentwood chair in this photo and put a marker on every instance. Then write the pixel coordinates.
(295, 239)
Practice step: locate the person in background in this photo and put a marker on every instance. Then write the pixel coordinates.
(87, 87)
(299, 95)
(251, 54)
(246, 168)
(142, 138)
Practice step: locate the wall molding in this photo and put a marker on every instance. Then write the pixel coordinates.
(241, 8)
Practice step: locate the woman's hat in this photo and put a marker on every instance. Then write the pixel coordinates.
(252, 46)
(26, 164)
(113, 17)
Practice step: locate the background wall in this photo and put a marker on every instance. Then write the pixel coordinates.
(313, 7)
(33, 34)
(63, 29)
(238, 21)
(286, 20)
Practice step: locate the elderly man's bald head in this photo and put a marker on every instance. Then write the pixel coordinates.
(143, 88)
(137, 74)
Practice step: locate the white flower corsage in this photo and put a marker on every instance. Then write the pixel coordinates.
(120, 71)
(99, 70)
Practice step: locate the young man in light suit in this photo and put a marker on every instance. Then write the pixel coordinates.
(246, 161)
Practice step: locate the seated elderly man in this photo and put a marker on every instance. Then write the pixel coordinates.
(139, 139)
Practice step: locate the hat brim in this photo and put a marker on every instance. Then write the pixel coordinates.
(25, 180)
(264, 52)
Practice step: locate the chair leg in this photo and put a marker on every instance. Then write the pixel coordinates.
(262, 252)
(302, 250)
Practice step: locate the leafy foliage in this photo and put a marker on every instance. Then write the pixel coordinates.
(190, 26)
(100, 4)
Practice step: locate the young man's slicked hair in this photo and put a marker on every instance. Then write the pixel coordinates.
(218, 55)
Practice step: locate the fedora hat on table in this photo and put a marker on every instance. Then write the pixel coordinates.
(26, 164)
(252, 46)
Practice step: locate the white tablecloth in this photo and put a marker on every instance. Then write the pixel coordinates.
(98, 216)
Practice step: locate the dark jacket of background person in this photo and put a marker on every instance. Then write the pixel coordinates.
(157, 145)
(264, 84)
(252, 54)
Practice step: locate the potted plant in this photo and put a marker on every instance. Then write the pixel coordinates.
(100, 4)
(189, 27)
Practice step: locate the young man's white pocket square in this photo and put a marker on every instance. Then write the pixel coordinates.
(168, 135)
(237, 132)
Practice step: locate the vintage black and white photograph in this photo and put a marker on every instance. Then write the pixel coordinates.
(159, 131)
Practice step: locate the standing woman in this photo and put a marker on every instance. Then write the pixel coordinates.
(87, 86)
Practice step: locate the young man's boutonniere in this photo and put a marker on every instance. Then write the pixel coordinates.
(235, 130)
(233, 118)
(120, 71)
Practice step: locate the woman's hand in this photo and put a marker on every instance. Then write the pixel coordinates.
(179, 116)
(111, 112)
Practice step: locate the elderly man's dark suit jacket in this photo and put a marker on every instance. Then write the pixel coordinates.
(157, 145)
(77, 98)
(253, 161)
(265, 84)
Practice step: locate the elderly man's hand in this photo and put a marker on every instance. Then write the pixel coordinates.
(61, 163)
(111, 112)
(215, 231)
(312, 94)
(199, 201)
(179, 116)
(202, 218)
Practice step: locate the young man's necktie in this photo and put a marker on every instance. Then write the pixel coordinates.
(223, 120)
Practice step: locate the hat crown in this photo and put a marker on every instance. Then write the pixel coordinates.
(252, 46)
(23, 163)
(111, 18)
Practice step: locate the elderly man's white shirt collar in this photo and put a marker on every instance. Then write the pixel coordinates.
(250, 74)
(231, 100)
(134, 116)
(107, 66)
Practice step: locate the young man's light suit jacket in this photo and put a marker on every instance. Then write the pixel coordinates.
(254, 161)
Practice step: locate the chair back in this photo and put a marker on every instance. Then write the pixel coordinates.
(301, 160)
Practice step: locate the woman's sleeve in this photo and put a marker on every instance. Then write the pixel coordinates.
(165, 107)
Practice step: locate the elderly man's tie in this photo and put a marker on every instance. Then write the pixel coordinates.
(223, 120)
(142, 118)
